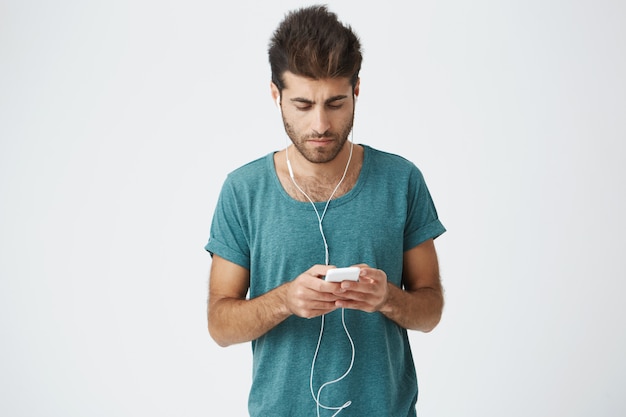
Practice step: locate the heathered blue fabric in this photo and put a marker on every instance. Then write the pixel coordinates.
(259, 226)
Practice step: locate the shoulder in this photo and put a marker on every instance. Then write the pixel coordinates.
(251, 171)
(251, 177)
(390, 165)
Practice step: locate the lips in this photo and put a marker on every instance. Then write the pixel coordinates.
(321, 141)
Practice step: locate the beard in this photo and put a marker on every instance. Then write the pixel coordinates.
(319, 154)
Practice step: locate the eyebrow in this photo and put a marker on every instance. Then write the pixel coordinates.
(327, 101)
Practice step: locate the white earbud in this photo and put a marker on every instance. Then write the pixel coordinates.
(290, 169)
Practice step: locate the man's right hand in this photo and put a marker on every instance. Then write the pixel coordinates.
(309, 295)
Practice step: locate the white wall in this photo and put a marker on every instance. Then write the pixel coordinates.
(120, 119)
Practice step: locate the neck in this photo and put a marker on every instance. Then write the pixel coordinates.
(330, 171)
(318, 184)
(311, 199)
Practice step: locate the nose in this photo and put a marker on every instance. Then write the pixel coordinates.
(321, 121)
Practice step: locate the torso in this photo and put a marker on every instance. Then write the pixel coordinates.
(276, 238)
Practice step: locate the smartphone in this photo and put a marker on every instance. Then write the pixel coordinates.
(343, 274)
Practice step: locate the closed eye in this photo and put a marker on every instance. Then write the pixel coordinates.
(334, 103)
(337, 102)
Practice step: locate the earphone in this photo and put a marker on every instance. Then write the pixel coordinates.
(320, 218)
(280, 110)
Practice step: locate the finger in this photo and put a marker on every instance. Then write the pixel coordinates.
(313, 293)
(365, 286)
(372, 275)
(315, 309)
(356, 296)
(319, 271)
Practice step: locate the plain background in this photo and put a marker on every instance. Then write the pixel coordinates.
(119, 120)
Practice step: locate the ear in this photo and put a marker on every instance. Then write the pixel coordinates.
(357, 88)
(275, 93)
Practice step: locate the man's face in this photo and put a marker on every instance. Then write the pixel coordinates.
(317, 115)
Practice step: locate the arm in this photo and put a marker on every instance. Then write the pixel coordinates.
(417, 306)
(234, 319)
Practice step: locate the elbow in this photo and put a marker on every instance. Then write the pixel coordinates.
(221, 342)
(217, 339)
(433, 318)
(218, 336)
(429, 325)
(218, 329)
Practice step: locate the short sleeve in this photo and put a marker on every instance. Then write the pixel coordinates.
(422, 220)
(227, 238)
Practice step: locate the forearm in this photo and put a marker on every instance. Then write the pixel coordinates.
(418, 309)
(234, 320)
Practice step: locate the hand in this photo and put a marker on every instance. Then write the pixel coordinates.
(309, 295)
(369, 294)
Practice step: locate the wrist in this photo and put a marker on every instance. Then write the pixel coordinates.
(282, 294)
(386, 307)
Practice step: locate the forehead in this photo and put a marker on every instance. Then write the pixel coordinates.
(296, 85)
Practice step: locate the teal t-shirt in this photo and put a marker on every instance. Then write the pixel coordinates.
(258, 226)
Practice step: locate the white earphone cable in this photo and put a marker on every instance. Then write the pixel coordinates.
(320, 218)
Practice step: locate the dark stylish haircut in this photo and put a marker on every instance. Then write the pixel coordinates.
(313, 43)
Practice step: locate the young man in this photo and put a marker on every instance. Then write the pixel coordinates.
(283, 221)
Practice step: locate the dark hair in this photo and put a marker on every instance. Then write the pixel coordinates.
(312, 42)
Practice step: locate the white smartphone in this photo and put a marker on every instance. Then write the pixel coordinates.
(343, 274)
